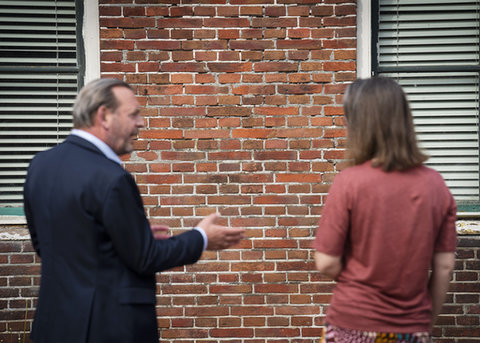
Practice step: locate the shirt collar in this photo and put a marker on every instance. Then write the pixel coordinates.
(101, 145)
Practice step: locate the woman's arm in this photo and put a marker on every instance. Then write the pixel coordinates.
(442, 267)
(327, 265)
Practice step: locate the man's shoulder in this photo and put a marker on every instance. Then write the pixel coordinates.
(70, 143)
(77, 155)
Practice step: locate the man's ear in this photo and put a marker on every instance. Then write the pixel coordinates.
(103, 118)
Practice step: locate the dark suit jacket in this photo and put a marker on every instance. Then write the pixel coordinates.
(99, 257)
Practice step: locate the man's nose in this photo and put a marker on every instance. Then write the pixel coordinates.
(140, 122)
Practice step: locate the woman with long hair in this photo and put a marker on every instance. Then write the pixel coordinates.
(387, 232)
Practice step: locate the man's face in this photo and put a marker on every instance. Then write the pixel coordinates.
(124, 121)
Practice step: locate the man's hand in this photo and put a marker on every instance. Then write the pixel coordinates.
(220, 237)
(160, 231)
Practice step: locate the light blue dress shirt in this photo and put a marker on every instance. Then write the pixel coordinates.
(101, 145)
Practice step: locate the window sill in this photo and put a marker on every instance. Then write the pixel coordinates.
(14, 227)
(12, 220)
(14, 234)
(468, 227)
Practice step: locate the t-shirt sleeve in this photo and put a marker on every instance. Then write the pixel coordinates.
(447, 235)
(334, 223)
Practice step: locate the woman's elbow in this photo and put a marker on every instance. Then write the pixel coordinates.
(329, 266)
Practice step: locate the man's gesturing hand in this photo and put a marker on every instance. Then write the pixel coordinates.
(220, 237)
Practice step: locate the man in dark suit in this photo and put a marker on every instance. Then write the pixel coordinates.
(87, 222)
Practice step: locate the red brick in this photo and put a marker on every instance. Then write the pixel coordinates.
(204, 11)
(251, 44)
(275, 66)
(205, 89)
(229, 55)
(301, 44)
(229, 67)
(183, 67)
(338, 66)
(276, 332)
(179, 23)
(228, 111)
(274, 22)
(226, 22)
(184, 333)
(237, 332)
(204, 34)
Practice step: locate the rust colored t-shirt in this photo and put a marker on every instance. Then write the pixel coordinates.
(386, 226)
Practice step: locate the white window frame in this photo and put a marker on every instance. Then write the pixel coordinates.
(364, 39)
(91, 40)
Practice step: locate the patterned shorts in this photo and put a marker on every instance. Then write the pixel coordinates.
(335, 334)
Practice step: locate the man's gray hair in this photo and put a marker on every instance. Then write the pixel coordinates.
(95, 94)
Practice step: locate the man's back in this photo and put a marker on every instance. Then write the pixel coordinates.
(98, 255)
(87, 223)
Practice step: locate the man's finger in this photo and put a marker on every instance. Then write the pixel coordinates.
(208, 220)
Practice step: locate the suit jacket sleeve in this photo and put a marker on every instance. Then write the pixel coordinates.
(30, 222)
(125, 222)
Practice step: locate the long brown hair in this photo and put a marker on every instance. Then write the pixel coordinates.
(380, 125)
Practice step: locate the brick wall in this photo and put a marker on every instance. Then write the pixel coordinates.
(219, 300)
(19, 281)
(243, 109)
(242, 103)
(460, 321)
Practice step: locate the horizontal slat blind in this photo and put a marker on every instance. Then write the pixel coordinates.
(38, 85)
(432, 49)
(427, 33)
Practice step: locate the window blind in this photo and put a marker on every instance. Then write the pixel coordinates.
(432, 49)
(39, 70)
